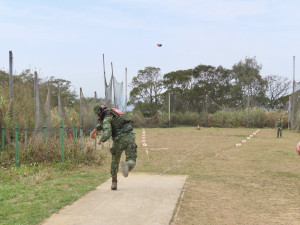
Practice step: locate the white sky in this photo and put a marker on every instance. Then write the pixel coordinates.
(66, 39)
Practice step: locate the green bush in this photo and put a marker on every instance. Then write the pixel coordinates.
(258, 117)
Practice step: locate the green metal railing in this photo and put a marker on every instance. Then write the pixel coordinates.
(81, 138)
(68, 131)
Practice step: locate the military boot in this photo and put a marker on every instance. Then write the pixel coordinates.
(114, 184)
(131, 164)
(125, 168)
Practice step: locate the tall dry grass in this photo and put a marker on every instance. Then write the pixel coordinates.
(35, 152)
(258, 117)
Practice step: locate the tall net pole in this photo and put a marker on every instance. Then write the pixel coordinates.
(108, 88)
(126, 89)
(11, 84)
(94, 103)
(48, 107)
(112, 77)
(80, 107)
(104, 68)
(293, 98)
(36, 104)
(206, 110)
(59, 105)
(169, 110)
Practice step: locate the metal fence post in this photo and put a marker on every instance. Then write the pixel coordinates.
(17, 145)
(62, 141)
(3, 140)
(81, 138)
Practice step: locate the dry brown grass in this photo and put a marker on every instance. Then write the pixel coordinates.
(256, 183)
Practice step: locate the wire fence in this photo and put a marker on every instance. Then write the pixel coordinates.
(55, 138)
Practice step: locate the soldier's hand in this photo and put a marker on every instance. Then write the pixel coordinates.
(99, 142)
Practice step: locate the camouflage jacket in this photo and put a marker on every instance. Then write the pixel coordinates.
(110, 129)
(279, 124)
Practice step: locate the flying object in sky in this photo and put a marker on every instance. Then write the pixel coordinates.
(159, 45)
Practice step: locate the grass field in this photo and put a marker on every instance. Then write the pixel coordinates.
(255, 183)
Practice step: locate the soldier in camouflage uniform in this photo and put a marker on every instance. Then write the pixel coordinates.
(116, 124)
(279, 125)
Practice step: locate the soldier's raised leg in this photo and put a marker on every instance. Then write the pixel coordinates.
(131, 154)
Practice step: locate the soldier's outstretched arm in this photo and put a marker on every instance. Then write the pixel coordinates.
(93, 134)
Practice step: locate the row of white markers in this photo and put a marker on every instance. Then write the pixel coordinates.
(144, 143)
(248, 138)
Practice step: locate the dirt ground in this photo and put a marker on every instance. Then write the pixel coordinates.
(255, 183)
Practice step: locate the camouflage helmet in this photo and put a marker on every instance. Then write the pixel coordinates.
(98, 109)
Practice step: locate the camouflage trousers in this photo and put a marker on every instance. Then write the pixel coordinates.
(122, 143)
(279, 132)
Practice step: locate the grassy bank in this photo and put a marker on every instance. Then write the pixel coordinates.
(31, 193)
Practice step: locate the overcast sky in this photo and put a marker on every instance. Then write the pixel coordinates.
(66, 39)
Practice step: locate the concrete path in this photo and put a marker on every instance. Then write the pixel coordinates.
(140, 199)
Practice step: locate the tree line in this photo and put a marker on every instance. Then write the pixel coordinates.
(241, 86)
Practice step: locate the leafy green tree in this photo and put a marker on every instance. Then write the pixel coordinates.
(4, 78)
(214, 82)
(147, 87)
(190, 87)
(179, 84)
(68, 96)
(248, 83)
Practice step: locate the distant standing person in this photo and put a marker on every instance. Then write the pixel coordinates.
(279, 125)
(116, 124)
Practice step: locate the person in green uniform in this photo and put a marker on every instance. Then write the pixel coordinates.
(279, 125)
(114, 123)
